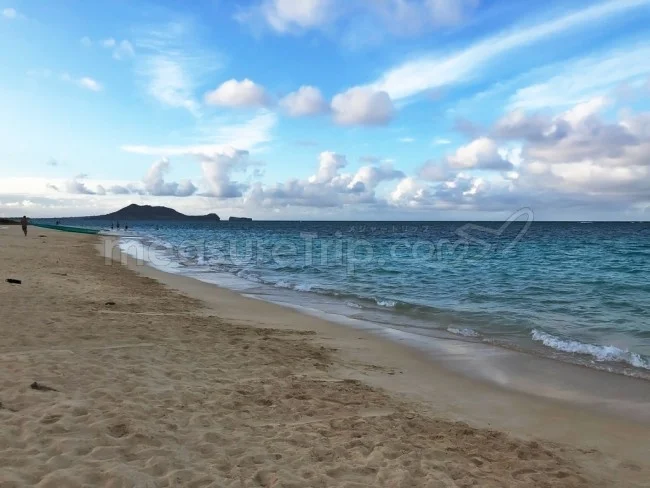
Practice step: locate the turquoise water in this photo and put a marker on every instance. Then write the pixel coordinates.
(577, 292)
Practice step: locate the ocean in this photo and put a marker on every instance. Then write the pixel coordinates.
(576, 292)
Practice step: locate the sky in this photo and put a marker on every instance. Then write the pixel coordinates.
(327, 109)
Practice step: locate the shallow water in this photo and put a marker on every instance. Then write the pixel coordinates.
(572, 291)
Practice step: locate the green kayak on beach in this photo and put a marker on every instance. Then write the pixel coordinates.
(65, 228)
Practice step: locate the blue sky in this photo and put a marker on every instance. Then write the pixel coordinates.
(327, 109)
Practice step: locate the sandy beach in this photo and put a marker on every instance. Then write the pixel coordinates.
(117, 375)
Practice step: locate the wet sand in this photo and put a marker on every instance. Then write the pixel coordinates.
(160, 380)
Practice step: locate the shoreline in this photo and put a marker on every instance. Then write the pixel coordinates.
(501, 388)
(143, 378)
(518, 370)
(393, 314)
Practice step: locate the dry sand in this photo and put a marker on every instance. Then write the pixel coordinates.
(151, 387)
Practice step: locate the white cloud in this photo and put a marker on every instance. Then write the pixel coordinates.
(90, 84)
(429, 72)
(329, 164)
(482, 153)
(409, 191)
(434, 170)
(580, 80)
(306, 101)
(439, 141)
(170, 84)
(218, 169)
(362, 106)
(248, 136)
(171, 65)
(285, 16)
(75, 186)
(10, 13)
(85, 82)
(233, 93)
(371, 176)
(449, 12)
(408, 17)
(328, 187)
(154, 183)
(123, 50)
(369, 18)
(576, 135)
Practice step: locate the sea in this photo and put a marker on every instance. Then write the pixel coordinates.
(571, 291)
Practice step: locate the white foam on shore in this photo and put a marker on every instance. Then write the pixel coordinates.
(465, 332)
(599, 353)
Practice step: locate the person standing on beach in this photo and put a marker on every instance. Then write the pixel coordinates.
(23, 224)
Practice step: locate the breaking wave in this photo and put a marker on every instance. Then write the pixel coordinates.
(599, 353)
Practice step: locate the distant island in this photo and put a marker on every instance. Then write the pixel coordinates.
(148, 212)
(240, 219)
(8, 222)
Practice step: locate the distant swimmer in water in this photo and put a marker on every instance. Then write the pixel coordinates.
(112, 226)
(23, 224)
(118, 226)
(126, 226)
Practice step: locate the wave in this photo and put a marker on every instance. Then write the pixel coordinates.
(303, 287)
(353, 305)
(248, 275)
(599, 353)
(465, 332)
(385, 303)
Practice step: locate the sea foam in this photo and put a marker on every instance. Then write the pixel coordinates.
(599, 353)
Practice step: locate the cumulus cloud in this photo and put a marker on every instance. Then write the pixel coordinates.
(218, 169)
(410, 191)
(76, 186)
(362, 106)
(577, 160)
(371, 176)
(289, 16)
(234, 93)
(328, 187)
(577, 135)
(434, 170)
(154, 182)
(329, 164)
(307, 100)
(482, 153)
